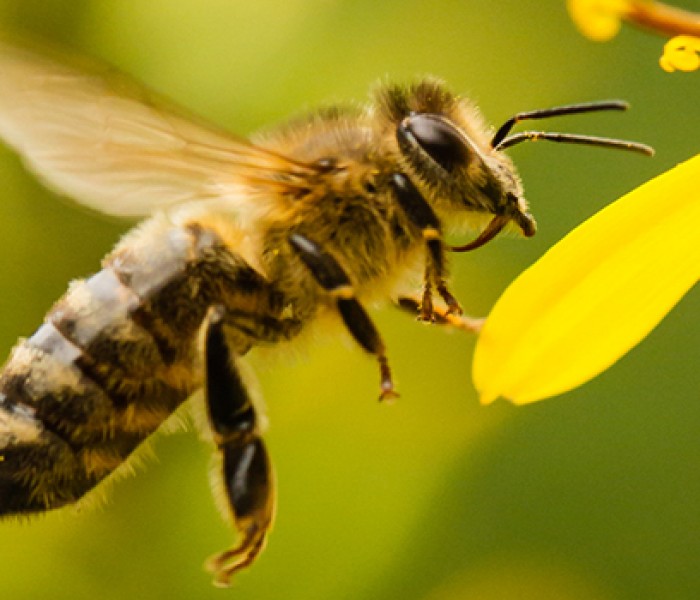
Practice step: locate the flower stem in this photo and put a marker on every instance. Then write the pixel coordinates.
(663, 19)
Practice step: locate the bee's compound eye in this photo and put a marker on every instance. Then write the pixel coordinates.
(438, 138)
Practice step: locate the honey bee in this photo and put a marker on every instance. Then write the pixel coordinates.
(245, 244)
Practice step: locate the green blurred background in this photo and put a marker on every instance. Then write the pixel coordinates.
(593, 495)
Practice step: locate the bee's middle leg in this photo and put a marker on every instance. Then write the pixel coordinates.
(331, 277)
(246, 470)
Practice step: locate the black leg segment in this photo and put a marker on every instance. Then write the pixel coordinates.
(421, 214)
(332, 278)
(248, 480)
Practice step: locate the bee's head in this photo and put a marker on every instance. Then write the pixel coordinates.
(457, 176)
(459, 166)
(444, 147)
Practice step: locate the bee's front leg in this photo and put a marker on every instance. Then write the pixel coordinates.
(421, 214)
(331, 277)
(248, 480)
(440, 316)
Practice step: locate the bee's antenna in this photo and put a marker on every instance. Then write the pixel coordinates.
(572, 138)
(557, 111)
(502, 140)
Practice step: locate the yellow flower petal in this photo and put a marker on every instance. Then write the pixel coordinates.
(595, 294)
(599, 20)
(681, 52)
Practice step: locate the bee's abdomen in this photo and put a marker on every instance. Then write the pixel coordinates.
(113, 359)
(79, 396)
(68, 416)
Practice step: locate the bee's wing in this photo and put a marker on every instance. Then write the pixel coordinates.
(94, 135)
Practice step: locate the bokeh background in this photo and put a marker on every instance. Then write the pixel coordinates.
(592, 495)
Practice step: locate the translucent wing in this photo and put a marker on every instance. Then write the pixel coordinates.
(96, 136)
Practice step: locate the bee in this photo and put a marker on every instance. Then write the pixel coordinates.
(245, 244)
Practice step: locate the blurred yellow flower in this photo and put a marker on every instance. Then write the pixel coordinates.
(595, 294)
(600, 20)
(681, 53)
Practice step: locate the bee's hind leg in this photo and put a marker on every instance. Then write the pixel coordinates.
(248, 480)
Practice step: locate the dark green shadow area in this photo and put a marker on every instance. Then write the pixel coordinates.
(601, 487)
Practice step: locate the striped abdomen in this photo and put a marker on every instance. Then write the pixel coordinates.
(113, 359)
